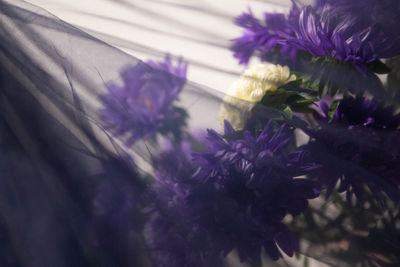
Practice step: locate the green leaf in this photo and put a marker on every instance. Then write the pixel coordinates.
(234, 135)
(288, 112)
(292, 99)
(276, 98)
(378, 66)
(306, 262)
(321, 89)
(303, 106)
(311, 84)
(333, 90)
(332, 110)
(288, 101)
(298, 123)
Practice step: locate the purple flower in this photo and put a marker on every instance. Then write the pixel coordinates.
(117, 213)
(343, 32)
(236, 199)
(172, 239)
(143, 104)
(359, 147)
(263, 36)
(379, 15)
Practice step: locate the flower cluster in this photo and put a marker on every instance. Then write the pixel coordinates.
(231, 192)
(237, 199)
(358, 145)
(143, 105)
(357, 32)
(172, 239)
(250, 88)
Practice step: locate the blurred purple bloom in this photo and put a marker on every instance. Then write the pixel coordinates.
(379, 15)
(172, 239)
(236, 199)
(143, 105)
(263, 36)
(340, 30)
(251, 187)
(360, 147)
(117, 213)
(363, 112)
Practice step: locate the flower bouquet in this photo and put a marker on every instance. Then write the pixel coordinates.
(297, 163)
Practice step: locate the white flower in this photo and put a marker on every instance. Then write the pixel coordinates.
(251, 87)
(256, 81)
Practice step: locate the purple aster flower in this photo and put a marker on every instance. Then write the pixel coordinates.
(359, 147)
(172, 239)
(379, 15)
(236, 199)
(117, 213)
(143, 104)
(349, 37)
(263, 36)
